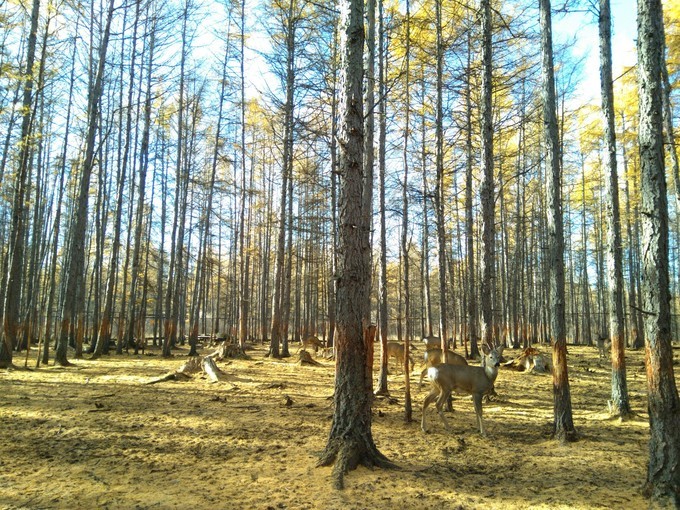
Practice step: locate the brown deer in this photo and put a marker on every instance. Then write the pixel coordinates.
(396, 350)
(433, 357)
(313, 342)
(475, 381)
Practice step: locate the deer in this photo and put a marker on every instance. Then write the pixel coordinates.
(313, 342)
(604, 346)
(433, 357)
(396, 350)
(472, 380)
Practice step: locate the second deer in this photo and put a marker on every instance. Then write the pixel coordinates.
(472, 380)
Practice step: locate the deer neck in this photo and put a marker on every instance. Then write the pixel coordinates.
(490, 371)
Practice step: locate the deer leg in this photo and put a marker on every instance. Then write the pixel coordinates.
(477, 398)
(443, 397)
(428, 400)
(422, 375)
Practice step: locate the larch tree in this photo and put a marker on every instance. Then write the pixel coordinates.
(563, 426)
(663, 471)
(404, 245)
(350, 441)
(12, 292)
(469, 213)
(440, 185)
(74, 254)
(487, 192)
(382, 142)
(619, 399)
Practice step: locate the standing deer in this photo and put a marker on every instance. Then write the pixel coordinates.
(604, 346)
(433, 357)
(475, 381)
(396, 350)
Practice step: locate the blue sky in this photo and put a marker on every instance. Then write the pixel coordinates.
(583, 27)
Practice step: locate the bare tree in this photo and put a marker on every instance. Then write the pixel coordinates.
(12, 292)
(74, 255)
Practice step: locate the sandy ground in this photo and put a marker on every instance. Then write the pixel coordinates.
(94, 436)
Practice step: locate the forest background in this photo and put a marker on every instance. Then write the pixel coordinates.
(159, 193)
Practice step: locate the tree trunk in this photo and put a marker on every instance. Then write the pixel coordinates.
(469, 219)
(350, 441)
(12, 292)
(663, 473)
(563, 425)
(487, 192)
(619, 403)
(382, 144)
(75, 252)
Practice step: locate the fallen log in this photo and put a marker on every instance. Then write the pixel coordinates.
(193, 365)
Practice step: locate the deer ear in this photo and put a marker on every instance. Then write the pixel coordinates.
(485, 349)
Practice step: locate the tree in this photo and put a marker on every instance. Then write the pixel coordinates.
(75, 254)
(12, 293)
(406, 265)
(487, 193)
(350, 441)
(382, 104)
(619, 402)
(663, 471)
(563, 427)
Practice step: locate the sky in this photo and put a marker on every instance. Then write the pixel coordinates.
(624, 29)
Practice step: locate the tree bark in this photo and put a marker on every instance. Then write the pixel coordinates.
(619, 400)
(663, 473)
(350, 441)
(487, 192)
(12, 292)
(563, 427)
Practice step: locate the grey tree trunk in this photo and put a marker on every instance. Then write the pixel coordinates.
(141, 192)
(487, 192)
(278, 327)
(469, 219)
(439, 186)
(563, 425)
(404, 245)
(619, 402)
(663, 473)
(382, 144)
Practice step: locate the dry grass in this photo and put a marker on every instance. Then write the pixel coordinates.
(94, 436)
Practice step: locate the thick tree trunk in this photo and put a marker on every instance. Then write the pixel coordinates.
(350, 441)
(663, 473)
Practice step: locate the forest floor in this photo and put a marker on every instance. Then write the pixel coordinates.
(95, 436)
